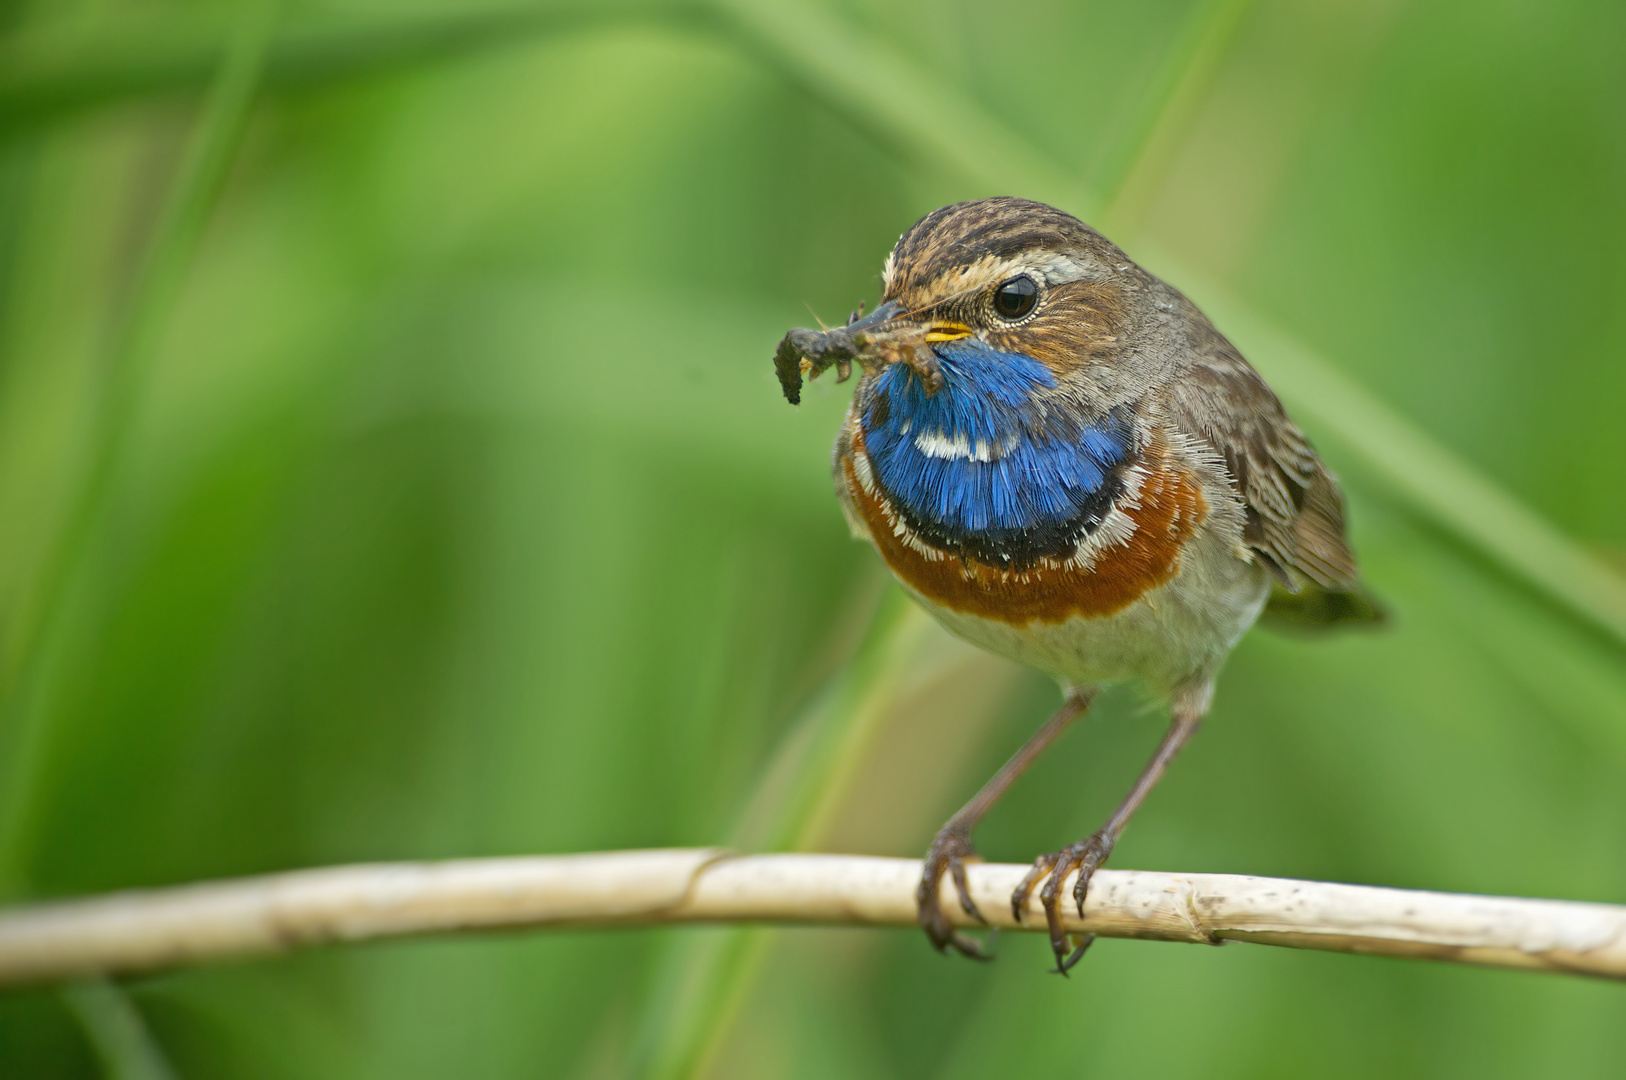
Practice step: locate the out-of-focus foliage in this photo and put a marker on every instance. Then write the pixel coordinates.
(453, 511)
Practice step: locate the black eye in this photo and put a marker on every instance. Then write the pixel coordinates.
(1016, 297)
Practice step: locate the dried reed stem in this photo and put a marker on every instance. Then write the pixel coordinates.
(190, 924)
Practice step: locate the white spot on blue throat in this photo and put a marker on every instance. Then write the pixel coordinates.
(937, 444)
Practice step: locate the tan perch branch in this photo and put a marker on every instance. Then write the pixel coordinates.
(191, 924)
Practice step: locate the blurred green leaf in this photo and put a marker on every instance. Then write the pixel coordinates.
(116, 1030)
(904, 106)
(921, 111)
(74, 64)
(36, 641)
(459, 513)
(1400, 459)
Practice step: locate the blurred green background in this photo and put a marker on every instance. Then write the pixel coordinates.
(391, 467)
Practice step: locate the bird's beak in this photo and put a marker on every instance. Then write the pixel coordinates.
(887, 335)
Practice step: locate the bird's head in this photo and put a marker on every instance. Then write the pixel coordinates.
(995, 276)
(999, 374)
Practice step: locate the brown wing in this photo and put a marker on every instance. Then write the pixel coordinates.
(1295, 512)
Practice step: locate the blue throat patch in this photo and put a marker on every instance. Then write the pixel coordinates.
(981, 469)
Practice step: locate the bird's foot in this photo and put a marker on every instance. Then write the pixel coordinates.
(1086, 857)
(951, 849)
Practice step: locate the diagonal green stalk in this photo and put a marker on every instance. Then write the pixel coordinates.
(722, 970)
(1398, 457)
(937, 124)
(37, 651)
(702, 981)
(931, 124)
(55, 72)
(1139, 162)
(941, 132)
(116, 1031)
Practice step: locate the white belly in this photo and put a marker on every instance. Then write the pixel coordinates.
(1176, 635)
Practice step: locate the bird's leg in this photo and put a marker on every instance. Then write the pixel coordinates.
(1088, 854)
(952, 847)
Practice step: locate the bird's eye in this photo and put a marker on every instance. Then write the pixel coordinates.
(1016, 297)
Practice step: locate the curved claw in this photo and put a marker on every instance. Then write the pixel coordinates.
(1096, 849)
(969, 947)
(1024, 890)
(949, 853)
(1086, 857)
(962, 887)
(1081, 942)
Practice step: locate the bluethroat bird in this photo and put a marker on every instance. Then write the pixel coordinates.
(1064, 462)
